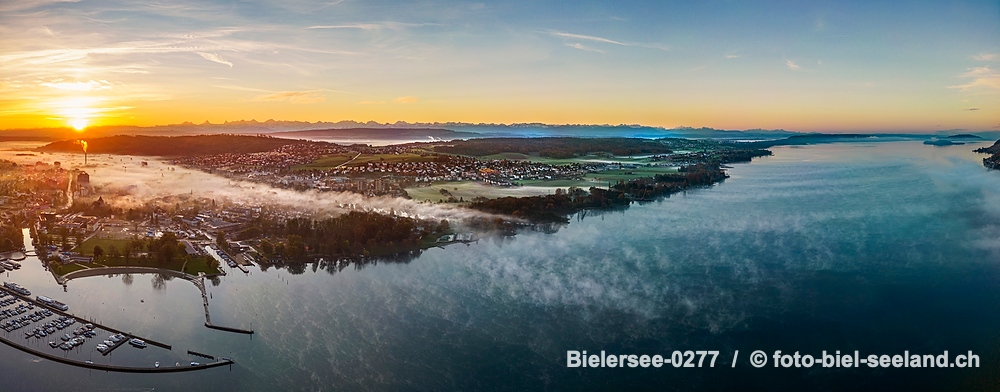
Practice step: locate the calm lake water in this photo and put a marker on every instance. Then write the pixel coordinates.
(873, 247)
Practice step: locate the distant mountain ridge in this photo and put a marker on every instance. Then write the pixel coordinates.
(361, 134)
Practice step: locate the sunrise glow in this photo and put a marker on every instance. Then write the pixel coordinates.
(816, 66)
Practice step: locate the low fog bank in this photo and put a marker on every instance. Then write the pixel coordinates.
(135, 183)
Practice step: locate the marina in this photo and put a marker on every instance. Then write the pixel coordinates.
(42, 319)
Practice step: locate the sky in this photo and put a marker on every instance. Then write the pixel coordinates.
(802, 66)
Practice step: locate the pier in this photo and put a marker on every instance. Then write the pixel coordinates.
(198, 281)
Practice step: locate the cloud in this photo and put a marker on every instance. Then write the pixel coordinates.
(972, 109)
(78, 86)
(357, 26)
(588, 38)
(406, 99)
(30, 4)
(733, 56)
(215, 58)
(583, 47)
(592, 38)
(371, 102)
(300, 97)
(792, 66)
(982, 77)
(986, 56)
(370, 26)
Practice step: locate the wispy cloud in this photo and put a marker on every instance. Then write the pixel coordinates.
(792, 66)
(986, 57)
(215, 58)
(370, 26)
(91, 85)
(583, 47)
(588, 38)
(357, 26)
(733, 56)
(30, 4)
(299, 97)
(406, 99)
(981, 77)
(591, 38)
(972, 109)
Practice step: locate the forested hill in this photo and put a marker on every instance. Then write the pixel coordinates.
(170, 146)
(554, 147)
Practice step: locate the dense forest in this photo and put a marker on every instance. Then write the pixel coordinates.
(171, 146)
(555, 207)
(354, 233)
(554, 147)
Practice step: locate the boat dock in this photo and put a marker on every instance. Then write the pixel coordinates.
(60, 312)
(115, 368)
(110, 368)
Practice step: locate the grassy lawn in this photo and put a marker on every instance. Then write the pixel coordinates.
(60, 269)
(326, 162)
(87, 248)
(200, 264)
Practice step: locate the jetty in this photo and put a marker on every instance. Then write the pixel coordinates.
(198, 281)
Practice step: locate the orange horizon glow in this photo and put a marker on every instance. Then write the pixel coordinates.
(817, 67)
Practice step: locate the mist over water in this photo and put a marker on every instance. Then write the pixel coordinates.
(873, 247)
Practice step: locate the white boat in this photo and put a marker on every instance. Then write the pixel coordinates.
(137, 343)
(157, 364)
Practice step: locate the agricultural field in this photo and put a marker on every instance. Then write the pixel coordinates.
(469, 190)
(327, 162)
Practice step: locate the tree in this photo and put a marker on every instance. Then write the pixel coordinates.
(267, 247)
(98, 252)
(113, 252)
(220, 240)
(443, 226)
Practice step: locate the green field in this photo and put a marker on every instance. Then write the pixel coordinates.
(468, 190)
(87, 248)
(326, 162)
(629, 174)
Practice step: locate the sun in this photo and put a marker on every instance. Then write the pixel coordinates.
(77, 112)
(79, 124)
